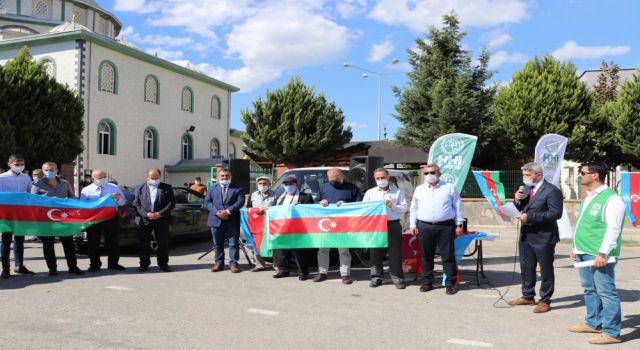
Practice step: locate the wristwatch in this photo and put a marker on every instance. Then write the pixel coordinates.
(603, 255)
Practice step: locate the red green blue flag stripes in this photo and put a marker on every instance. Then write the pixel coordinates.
(492, 189)
(27, 214)
(630, 193)
(350, 225)
(252, 222)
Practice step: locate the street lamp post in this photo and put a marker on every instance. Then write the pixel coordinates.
(378, 75)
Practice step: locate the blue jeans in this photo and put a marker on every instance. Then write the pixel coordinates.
(601, 297)
(5, 249)
(233, 233)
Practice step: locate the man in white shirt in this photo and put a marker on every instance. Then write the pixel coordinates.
(396, 207)
(436, 218)
(598, 235)
(109, 228)
(14, 180)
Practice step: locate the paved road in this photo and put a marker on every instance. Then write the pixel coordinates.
(193, 308)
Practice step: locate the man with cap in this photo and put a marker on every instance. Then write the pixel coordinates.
(198, 186)
(282, 257)
(263, 198)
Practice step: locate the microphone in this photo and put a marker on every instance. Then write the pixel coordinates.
(521, 189)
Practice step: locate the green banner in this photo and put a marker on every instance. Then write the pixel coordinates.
(453, 154)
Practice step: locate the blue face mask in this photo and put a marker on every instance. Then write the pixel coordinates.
(290, 188)
(48, 175)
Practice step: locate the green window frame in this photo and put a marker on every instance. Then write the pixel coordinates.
(150, 143)
(54, 66)
(186, 147)
(232, 150)
(214, 148)
(103, 85)
(151, 79)
(107, 137)
(188, 99)
(216, 107)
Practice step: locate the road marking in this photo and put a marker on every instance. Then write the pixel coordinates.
(492, 296)
(119, 288)
(263, 312)
(469, 342)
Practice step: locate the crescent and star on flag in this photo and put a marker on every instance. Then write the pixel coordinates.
(322, 224)
(51, 212)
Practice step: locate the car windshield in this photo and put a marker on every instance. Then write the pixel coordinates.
(309, 181)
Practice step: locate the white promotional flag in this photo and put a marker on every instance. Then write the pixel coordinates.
(550, 155)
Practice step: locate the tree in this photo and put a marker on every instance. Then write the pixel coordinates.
(43, 118)
(624, 114)
(544, 97)
(607, 86)
(445, 93)
(294, 124)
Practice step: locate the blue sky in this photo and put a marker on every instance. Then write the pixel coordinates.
(260, 45)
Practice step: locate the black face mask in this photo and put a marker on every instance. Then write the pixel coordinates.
(335, 183)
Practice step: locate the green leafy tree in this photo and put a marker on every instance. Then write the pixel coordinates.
(624, 113)
(39, 117)
(445, 93)
(607, 86)
(544, 97)
(293, 124)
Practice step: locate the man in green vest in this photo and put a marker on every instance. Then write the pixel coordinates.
(597, 238)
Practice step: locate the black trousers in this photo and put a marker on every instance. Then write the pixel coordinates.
(18, 250)
(110, 229)
(282, 258)
(395, 254)
(532, 253)
(161, 230)
(50, 252)
(443, 237)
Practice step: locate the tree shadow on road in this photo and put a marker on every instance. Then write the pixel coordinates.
(633, 322)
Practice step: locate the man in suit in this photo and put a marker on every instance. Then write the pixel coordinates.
(541, 206)
(153, 202)
(224, 201)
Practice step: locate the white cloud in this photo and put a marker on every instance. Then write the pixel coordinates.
(357, 125)
(502, 57)
(165, 40)
(350, 8)
(166, 54)
(419, 14)
(126, 32)
(247, 78)
(137, 6)
(382, 50)
(496, 38)
(571, 50)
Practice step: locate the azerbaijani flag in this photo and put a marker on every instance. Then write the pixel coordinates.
(27, 214)
(252, 222)
(492, 189)
(630, 192)
(350, 225)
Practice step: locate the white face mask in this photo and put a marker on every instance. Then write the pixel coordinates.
(153, 182)
(290, 188)
(17, 169)
(382, 183)
(100, 182)
(225, 182)
(528, 181)
(263, 189)
(431, 179)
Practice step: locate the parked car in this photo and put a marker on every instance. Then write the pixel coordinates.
(188, 218)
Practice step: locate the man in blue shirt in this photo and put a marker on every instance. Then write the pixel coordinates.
(336, 191)
(436, 218)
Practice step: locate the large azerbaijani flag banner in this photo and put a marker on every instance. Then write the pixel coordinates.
(252, 223)
(630, 193)
(27, 214)
(492, 189)
(350, 225)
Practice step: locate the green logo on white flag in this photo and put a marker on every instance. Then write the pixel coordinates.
(453, 154)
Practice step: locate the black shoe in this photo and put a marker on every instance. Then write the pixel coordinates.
(143, 268)
(116, 267)
(165, 268)
(93, 269)
(451, 290)
(303, 276)
(400, 285)
(426, 287)
(53, 272)
(76, 271)
(281, 274)
(375, 283)
(23, 270)
(5, 274)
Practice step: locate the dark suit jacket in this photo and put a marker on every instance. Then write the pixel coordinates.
(163, 205)
(233, 202)
(542, 213)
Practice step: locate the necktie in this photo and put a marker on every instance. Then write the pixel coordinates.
(224, 193)
(531, 193)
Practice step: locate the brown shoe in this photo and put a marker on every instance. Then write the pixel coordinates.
(235, 269)
(217, 267)
(257, 269)
(346, 280)
(542, 307)
(603, 339)
(580, 328)
(320, 277)
(521, 301)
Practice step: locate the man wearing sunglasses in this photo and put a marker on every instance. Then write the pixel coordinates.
(540, 204)
(436, 217)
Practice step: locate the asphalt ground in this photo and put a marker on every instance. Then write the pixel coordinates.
(193, 308)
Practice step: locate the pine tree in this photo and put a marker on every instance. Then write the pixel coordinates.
(293, 124)
(608, 81)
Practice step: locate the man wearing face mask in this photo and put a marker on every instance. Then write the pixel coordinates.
(109, 228)
(224, 201)
(396, 207)
(336, 191)
(436, 218)
(53, 186)
(263, 198)
(282, 257)
(14, 180)
(198, 186)
(540, 204)
(153, 202)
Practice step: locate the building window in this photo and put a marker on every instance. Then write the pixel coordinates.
(151, 89)
(3, 6)
(187, 99)
(41, 9)
(79, 15)
(49, 66)
(215, 107)
(150, 143)
(106, 137)
(232, 150)
(108, 78)
(187, 147)
(215, 148)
